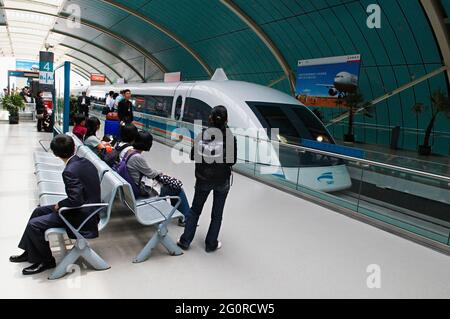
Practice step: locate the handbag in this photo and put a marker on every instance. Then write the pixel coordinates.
(148, 191)
(170, 182)
(40, 116)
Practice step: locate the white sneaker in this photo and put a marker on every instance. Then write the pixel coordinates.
(219, 245)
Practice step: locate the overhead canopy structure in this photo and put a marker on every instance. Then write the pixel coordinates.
(252, 40)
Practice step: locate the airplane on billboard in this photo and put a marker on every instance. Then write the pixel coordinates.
(344, 82)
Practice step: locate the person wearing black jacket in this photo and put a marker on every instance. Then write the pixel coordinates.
(82, 186)
(125, 108)
(214, 153)
(84, 102)
(40, 109)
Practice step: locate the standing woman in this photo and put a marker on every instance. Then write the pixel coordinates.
(40, 109)
(214, 152)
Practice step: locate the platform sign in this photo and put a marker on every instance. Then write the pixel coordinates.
(172, 77)
(98, 79)
(324, 82)
(23, 74)
(46, 76)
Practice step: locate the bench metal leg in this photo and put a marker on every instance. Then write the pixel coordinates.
(165, 240)
(68, 260)
(147, 250)
(75, 253)
(171, 247)
(94, 259)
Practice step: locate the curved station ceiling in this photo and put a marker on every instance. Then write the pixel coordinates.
(258, 41)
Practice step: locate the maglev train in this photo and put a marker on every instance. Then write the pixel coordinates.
(265, 121)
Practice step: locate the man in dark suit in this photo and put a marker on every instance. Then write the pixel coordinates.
(84, 102)
(82, 187)
(125, 108)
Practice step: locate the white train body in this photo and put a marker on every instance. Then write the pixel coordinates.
(163, 107)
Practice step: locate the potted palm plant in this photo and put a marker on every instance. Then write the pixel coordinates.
(13, 103)
(353, 102)
(16, 103)
(440, 103)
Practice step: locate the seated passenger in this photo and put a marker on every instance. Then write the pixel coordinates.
(83, 187)
(114, 156)
(79, 130)
(138, 168)
(128, 135)
(90, 139)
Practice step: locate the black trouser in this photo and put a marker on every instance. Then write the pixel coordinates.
(33, 239)
(84, 109)
(40, 123)
(202, 190)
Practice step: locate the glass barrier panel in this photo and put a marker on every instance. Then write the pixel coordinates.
(415, 203)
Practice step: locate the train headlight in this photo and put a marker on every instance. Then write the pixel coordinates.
(320, 138)
(282, 139)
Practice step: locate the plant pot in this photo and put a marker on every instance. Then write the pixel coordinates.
(13, 119)
(425, 150)
(350, 138)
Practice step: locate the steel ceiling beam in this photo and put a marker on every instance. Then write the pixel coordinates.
(164, 30)
(244, 17)
(93, 57)
(80, 73)
(99, 28)
(88, 64)
(436, 15)
(101, 48)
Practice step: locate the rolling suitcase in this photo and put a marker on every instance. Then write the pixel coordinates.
(112, 128)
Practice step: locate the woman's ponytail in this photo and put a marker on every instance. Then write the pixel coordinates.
(219, 117)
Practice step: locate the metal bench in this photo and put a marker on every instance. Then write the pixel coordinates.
(155, 212)
(109, 188)
(50, 180)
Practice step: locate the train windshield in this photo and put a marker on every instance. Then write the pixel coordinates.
(294, 123)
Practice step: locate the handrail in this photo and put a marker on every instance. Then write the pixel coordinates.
(388, 128)
(356, 159)
(45, 149)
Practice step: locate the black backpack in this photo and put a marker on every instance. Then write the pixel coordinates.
(112, 159)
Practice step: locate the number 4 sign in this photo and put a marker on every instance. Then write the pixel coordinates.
(46, 77)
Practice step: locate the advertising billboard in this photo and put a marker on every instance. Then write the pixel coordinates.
(324, 82)
(27, 65)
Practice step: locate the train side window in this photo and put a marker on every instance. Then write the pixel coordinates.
(178, 106)
(158, 105)
(139, 104)
(196, 109)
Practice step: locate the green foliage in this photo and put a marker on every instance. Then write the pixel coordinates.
(440, 103)
(13, 103)
(354, 102)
